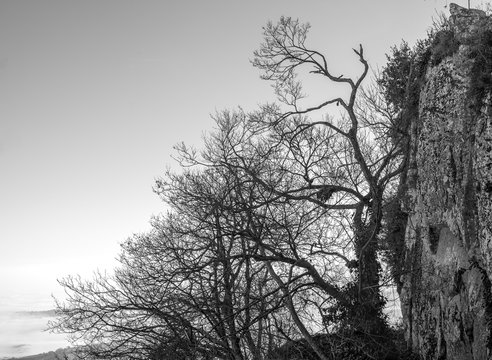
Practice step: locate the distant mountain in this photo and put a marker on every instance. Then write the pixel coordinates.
(23, 333)
(60, 354)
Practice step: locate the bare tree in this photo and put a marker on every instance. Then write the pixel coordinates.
(342, 167)
(303, 230)
(189, 289)
(275, 222)
(361, 164)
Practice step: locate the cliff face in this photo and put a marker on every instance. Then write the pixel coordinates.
(446, 295)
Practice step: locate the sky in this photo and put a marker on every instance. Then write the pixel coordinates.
(95, 93)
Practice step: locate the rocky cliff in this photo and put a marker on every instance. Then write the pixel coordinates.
(446, 295)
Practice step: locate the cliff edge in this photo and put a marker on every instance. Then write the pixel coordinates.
(446, 294)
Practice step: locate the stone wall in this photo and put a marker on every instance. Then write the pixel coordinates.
(446, 295)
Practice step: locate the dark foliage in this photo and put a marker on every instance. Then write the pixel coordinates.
(394, 241)
(358, 315)
(396, 75)
(401, 77)
(444, 44)
(481, 74)
(401, 80)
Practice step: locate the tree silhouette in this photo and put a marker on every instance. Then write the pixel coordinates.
(273, 229)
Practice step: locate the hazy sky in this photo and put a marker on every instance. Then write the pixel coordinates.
(94, 94)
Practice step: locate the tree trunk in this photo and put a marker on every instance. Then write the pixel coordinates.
(369, 301)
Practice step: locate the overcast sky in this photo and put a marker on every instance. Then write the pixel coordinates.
(94, 94)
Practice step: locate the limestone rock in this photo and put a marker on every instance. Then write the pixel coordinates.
(460, 12)
(446, 295)
(465, 22)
